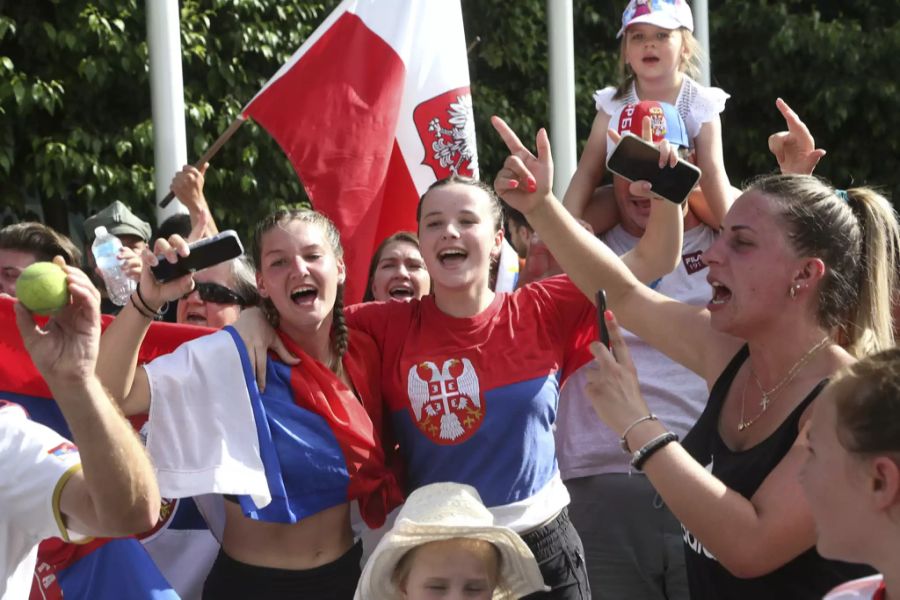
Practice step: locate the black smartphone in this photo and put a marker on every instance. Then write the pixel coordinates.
(601, 318)
(204, 253)
(636, 160)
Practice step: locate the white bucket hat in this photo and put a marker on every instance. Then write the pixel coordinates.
(443, 511)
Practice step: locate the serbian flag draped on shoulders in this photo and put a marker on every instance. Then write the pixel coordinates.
(371, 110)
(306, 444)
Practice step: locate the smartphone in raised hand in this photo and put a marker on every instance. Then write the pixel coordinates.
(204, 253)
(601, 318)
(637, 160)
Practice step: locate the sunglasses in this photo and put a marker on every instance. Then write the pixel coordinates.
(213, 292)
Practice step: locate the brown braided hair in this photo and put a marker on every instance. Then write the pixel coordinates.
(340, 334)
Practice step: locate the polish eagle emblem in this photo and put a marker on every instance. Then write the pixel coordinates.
(446, 400)
(446, 127)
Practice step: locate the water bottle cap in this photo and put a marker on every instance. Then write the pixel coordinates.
(99, 231)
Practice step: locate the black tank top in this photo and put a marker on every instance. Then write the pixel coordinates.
(808, 575)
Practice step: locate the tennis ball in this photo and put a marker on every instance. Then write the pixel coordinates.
(43, 288)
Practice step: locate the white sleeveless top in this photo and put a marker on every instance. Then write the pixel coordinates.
(696, 103)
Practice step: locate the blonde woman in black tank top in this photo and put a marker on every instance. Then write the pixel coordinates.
(797, 265)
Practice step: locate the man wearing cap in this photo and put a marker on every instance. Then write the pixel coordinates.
(134, 234)
(633, 543)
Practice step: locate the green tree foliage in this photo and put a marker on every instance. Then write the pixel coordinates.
(76, 130)
(76, 127)
(833, 61)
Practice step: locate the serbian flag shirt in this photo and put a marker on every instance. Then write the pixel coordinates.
(474, 400)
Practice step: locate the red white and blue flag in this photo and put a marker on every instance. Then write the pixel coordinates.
(371, 110)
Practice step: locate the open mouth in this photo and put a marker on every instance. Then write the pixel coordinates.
(195, 318)
(401, 292)
(304, 294)
(721, 294)
(650, 60)
(452, 256)
(642, 204)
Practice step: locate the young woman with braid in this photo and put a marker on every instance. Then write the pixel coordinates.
(287, 528)
(796, 266)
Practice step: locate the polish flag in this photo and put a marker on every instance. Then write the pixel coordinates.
(371, 110)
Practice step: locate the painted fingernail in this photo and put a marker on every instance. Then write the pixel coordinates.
(532, 185)
(608, 315)
(513, 184)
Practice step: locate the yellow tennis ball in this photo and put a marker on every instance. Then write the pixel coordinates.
(43, 288)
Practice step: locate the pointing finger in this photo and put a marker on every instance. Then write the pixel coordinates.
(509, 137)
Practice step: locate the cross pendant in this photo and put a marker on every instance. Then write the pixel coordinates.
(764, 402)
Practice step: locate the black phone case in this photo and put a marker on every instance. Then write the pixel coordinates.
(636, 160)
(204, 253)
(601, 318)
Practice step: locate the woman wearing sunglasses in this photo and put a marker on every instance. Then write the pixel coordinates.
(219, 295)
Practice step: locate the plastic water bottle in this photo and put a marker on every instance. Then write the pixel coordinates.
(106, 248)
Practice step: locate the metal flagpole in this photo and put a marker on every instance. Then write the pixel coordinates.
(701, 32)
(562, 92)
(167, 94)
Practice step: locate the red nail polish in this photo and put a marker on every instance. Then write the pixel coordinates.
(513, 184)
(608, 315)
(532, 186)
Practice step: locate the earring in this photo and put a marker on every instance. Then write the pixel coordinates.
(792, 291)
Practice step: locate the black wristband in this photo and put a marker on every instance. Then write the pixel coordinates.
(649, 449)
(157, 314)
(141, 310)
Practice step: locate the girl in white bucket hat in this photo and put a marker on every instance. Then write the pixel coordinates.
(445, 539)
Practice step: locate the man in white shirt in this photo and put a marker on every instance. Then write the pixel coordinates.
(48, 487)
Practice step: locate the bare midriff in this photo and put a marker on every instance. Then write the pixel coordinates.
(315, 541)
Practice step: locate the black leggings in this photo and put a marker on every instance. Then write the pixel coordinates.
(230, 579)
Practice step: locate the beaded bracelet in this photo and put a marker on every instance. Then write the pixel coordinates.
(649, 449)
(623, 443)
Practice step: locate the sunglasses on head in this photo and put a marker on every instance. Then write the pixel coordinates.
(213, 292)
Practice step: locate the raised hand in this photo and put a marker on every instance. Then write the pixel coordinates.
(668, 156)
(65, 349)
(131, 263)
(156, 294)
(526, 180)
(794, 149)
(187, 185)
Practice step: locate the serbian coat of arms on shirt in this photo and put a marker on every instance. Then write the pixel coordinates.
(446, 127)
(446, 400)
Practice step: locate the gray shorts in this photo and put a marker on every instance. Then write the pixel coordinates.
(632, 543)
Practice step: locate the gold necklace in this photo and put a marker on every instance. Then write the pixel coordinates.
(768, 396)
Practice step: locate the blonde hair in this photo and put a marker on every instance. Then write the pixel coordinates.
(855, 233)
(486, 552)
(689, 64)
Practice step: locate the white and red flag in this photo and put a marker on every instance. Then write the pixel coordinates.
(372, 109)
